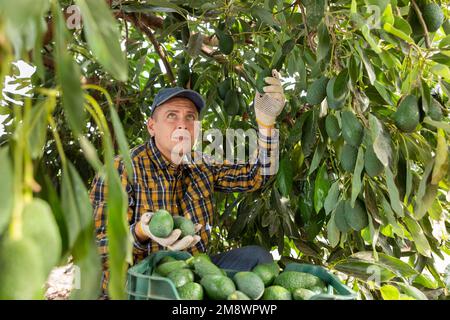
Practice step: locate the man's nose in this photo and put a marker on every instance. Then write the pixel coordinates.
(182, 124)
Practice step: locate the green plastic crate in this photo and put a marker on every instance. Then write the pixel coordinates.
(336, 289)
(142, 285)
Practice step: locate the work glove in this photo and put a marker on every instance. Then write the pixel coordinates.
(171, 242)
(268, 105)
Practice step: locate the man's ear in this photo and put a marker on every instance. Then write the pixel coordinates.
(150, 126)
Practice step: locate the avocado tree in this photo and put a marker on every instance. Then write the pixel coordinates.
(362, 186)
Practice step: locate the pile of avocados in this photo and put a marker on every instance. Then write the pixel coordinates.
(198, 278)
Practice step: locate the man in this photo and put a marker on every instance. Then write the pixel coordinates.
(161, 180)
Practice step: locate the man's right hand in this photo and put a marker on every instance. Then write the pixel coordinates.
(171, 242)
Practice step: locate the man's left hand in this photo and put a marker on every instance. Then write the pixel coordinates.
(270, 104)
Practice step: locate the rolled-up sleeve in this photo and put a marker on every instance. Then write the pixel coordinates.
(250, 176)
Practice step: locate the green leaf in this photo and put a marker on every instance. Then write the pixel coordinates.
(381, 88)
(24, 23)
(445, 42)
(420, 241)
(340, 88)
(388, 16)
(195, 44)
(356, 179)
(438, 124)
(392, 221)
(122, 141)
(441, 71)
(309, 132)
(400, 268)
(370, 40)
(332, 198)
(332, 232)
(389, 292)
(315, 10)
(69, 208)
(119, 238)
(324, 42)
(440, 168)
(412, 291)
(426, 96)
(425, 203)
(321, 187)
(381, 140)
(402, 25)
(441, 58)
(103, 36)
(425, 281)
(421, 190)
(318, 154)
(264, 15)
(285, 177)
(38, 127)
(68, 75)
(398, 33)
(364, 270)
(6, 189)
(86, 258)
(394, 196)
(367, 65)
(90, 153)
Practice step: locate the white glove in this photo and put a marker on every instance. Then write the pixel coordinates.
(270, 104)
(171, 242)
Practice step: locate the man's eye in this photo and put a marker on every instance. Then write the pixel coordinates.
(190, 117)
(171, 115)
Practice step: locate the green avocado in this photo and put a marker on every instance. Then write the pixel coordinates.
(292, 280)
(231, 103)
(302, 294)
(180, 277)
(276, 293)
(267, 272)
(223, 87)
(249, 283)
(22, 275)
(407, 115)
(161, 224)
(218, 287)
(202, 268)
(238, 295)
(166, 268)
(433, 16)
(372, 164)
(185, 225)
(190, 291)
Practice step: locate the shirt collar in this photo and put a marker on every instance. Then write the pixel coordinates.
(156, 156)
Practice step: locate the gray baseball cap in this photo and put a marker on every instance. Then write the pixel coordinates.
(168, 93)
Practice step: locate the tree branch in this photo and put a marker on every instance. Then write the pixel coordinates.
(148, 32)
(422, 22)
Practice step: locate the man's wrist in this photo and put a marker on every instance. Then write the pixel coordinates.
(140, 234)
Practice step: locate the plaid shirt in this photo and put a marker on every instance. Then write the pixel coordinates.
(186, 190)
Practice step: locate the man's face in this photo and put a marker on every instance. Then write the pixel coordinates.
(172, 125)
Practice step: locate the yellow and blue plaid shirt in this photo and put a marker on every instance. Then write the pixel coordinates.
(186, 190)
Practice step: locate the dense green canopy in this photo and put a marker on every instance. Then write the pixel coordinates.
(362, 186)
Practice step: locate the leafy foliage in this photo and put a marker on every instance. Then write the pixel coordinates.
(357, 61)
